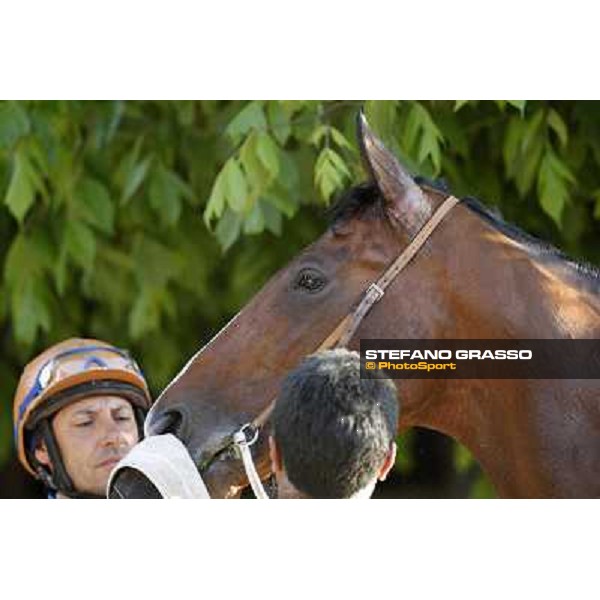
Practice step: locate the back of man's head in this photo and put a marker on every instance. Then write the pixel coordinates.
(333, 430)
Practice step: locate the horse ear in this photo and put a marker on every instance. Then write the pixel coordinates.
(403, 197)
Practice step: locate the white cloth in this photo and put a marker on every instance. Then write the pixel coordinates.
(165, 461)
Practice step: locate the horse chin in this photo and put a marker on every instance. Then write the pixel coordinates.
(224, 480)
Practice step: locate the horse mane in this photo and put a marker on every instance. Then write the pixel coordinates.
(367, 199)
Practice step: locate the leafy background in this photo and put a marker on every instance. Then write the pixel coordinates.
(149, 224)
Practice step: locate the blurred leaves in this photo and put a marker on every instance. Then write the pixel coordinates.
(24, 183)
(14, 123)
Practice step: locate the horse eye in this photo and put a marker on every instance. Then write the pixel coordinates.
(309, 280)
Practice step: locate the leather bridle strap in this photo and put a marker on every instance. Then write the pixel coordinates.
(347, 327)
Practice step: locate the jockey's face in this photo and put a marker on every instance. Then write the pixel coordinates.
(93, 435)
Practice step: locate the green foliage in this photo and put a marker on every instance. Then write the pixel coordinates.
(150, 223)
(24, 183)
(465, 465)
(14, 123)
(422, 137)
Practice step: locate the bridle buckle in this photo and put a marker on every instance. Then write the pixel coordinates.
(375, 290)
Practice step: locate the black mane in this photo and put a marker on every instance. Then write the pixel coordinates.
(366, 197)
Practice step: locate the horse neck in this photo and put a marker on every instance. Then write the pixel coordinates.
(496, 289)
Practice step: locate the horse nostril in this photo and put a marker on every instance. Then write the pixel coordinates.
(172, 420)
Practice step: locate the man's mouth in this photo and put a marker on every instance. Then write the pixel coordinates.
(109, 462)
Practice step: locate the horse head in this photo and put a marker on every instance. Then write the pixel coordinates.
(233, 378)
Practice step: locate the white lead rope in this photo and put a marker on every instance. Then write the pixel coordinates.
(243, 445)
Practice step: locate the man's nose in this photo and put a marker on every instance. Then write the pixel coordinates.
(113, 435)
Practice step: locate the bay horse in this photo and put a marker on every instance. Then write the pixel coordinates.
(476, 277)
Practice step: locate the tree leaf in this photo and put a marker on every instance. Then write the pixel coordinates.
(216, 203)
(338, 163)
(268, 152)
(235, 187)
(14, 123)
(30, 310)
(458, 104)
(382, 115)
(20, 195)
(412, 128)
(164, 192)
(511, 149)
(279, 121)
(254, 223)
(533, 131)
(272, 217)
(95, 205)
(430, 148)
(144, 317)
(228, 229)
(185, 112)
(319, 133)
(283, 203)
(28, 257)
(330, 171)
(135, 177)
(250, 117)
(529, 165)
(132, 170)
(556, 123)
(423, 136)
(339, 140)
(80, 244)
(554, 180)
(518, 104)
(257, 174)
(155, 263)
(28, 262)
(289, 172)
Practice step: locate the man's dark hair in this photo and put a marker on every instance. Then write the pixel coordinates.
(332, 428)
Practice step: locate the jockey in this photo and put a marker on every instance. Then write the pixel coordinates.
(333, 432)
(78, 409)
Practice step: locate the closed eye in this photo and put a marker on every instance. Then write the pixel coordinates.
(309, 280)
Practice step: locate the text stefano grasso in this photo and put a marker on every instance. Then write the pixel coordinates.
(499, 354)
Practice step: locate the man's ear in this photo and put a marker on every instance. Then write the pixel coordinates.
(276, 463)
(41, 454)
(388, 463)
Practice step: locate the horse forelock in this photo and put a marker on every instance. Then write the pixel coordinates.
(358, 201)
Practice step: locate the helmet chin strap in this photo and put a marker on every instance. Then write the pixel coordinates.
(58, 479)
